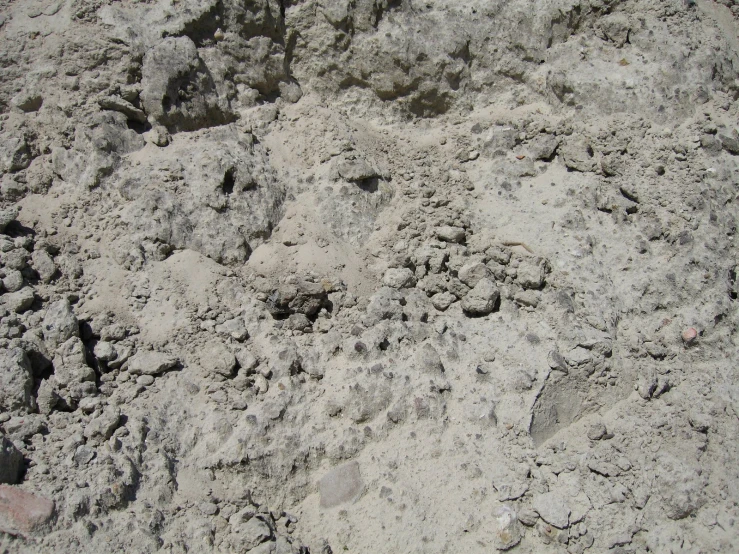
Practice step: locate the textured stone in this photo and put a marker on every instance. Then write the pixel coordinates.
(428, 359)
(341, 485)
(16, 380)
(151, 363)
(450, 234)
(470, 274)
(215, 357)
(59, 324)
(398, 278)
(553, 509)
(23, 513)
(481, 300)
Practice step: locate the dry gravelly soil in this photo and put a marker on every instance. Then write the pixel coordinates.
(290, 276)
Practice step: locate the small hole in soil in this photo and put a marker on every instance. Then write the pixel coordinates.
(228, 181)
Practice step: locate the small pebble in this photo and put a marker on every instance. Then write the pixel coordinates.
(145, 380)
(690, 335)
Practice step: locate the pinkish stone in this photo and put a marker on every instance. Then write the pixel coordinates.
(689, 335)
(21, 512)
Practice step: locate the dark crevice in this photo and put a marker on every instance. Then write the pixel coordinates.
(229, 180)
(138, 126)
(369, 185)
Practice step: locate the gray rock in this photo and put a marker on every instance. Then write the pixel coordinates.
(313, 365)
(16, 380)
(59, 324)
(287, 362)
(47, 398)
(528, 298)
(216, 357)
(158, 136)
(13, 280)
(151, 363)
(18, 301)
(7, 216)
(290, 91)
(597, 431)
(27, 101)
(681, 486)
(17, 258)
(398, 278)
(730, 144)
(83, 455)
(442, 300)
(174, 66)
(557, 361)
(247, 361)
(234, 328)
(508, 532)
(101, 428)
(543, 147)
(711, 144)
(470, 274)
(253, 533)
(450, 234)
(14, 154)
(385, 304)
(105, 351)
(578, 155)
(298, 322)
(11, 462)
(303, 297)
(531, 273)
(699, 421)
(616, 28)
(356, 170)
(145, 380)
(553, 509)
(428, 359)
(341, 485)
(44, 265)
(481, 300)
(208, 508)
(70, 363)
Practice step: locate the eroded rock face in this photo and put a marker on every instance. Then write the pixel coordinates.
(177, 90)
(228, 205)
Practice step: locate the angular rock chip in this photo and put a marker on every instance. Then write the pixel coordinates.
(59, 324)
(215, 357)
(553, 509)
(151, 363)
(471, 273)
(16, 380)
(398, 278)
(428, 359)
(450, 234)
(481, 300)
